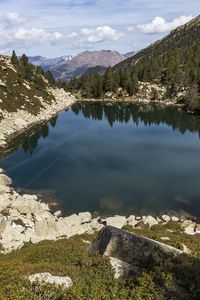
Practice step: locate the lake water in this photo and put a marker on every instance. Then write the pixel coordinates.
(112, 159)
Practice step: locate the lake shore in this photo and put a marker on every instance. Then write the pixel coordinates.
(26, 219)
(15, 123)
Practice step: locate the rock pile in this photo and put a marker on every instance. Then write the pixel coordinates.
(24, 218)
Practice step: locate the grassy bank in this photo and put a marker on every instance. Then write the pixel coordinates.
(93, 277)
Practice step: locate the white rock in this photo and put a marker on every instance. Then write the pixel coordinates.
(190, 229)
(117, 221)
(166, 218)
(186, 249)
(131, 220)
(4, 189)
(86, 217)
(165, 238)
(20, 122)
(150, 220)
(5, 180)
(175, 219)
(159, 220)
(138, 218)
(2, 83)
(5, 201)
(95, 225)
(121, 269)
(72, 225)
(65, 282)
(58, 213)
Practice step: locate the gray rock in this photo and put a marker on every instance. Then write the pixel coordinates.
(65, 282)
(129, 247)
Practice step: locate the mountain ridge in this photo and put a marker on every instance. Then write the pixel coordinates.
(66, 67)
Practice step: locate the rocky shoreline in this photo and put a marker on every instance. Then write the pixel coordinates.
(14, 123)
(25, 219)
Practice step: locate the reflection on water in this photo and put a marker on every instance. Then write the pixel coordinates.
(118, 158)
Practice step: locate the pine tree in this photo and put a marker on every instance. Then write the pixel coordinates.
(14, 59)
(108, 80)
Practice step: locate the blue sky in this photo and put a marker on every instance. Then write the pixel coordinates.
(62, 27)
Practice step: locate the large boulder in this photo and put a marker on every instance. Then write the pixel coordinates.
(129, 247)
(72, 225)
(45, 278)
(12, 236)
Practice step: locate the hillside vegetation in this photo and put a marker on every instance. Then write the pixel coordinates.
(172, 62)
(93, 277)
(23, 86)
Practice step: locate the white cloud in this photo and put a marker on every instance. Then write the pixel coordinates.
(36, 35)
(100, 34)
(14, 32)
(14, 19)
(72, 35)
(160, 25)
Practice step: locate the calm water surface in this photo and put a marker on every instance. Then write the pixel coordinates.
(112, 159)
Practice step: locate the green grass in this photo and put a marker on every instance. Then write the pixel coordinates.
(93, 276)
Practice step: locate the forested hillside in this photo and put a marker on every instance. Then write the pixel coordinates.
(173, 62)
(22, 85)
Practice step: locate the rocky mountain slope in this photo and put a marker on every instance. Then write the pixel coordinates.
(27, 96)
(79, 64)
